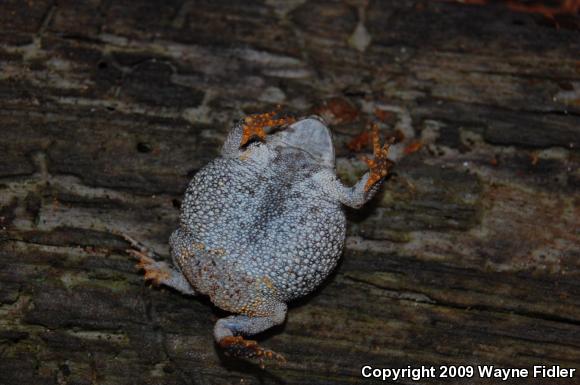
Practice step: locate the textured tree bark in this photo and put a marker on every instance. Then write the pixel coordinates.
(468, 256)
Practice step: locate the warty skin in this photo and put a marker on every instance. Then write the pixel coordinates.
(262, 224)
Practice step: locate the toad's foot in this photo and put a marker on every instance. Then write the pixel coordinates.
(159, 273)
(379, 165)
(254, 125)
(237, 346)
(228, 331)
(156, 272)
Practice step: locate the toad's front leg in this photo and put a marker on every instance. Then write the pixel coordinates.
(380, 164)
(253, 126)
(368, 185)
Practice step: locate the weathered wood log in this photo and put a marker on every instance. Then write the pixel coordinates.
(468, 256)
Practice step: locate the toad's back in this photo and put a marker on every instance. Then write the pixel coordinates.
(268, 219)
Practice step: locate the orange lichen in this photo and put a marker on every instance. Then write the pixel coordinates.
(534, 158)
(379, 165)
(565, 7)
(412, 147)
(384, 116)
(570, 7)
(359, 142)
(254, 125)
(337, 111)
(398, 136)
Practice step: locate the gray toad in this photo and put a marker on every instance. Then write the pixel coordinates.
(262, 225)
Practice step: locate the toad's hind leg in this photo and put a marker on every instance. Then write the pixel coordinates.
(159, 273)
(228, 331)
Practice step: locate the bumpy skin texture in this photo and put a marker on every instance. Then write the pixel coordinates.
(262, 225)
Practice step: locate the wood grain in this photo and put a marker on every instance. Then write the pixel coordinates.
(469, 255)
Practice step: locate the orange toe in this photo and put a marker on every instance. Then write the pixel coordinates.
(237, 346)
(254, 125)
(380, 164)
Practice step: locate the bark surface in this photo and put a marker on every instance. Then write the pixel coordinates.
(468, 256)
